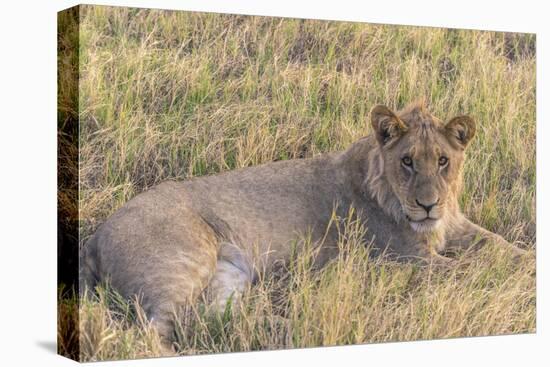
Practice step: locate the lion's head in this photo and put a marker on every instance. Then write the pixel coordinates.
(419, 160)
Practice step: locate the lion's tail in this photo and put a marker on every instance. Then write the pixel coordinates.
(88, 271)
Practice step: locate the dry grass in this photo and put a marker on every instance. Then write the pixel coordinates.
(174, 95)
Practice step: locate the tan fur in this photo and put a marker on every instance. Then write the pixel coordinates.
(217, 234)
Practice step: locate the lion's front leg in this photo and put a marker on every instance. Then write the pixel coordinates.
(471, 237)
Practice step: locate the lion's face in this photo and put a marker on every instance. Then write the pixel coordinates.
(423, 161)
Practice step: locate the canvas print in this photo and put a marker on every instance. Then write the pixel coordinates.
(241, 183)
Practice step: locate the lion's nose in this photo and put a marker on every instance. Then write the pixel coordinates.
(427, 207)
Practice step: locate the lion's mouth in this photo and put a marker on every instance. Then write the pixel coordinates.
(424, 225)
(423, 220)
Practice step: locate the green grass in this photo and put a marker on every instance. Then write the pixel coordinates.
(176, 95)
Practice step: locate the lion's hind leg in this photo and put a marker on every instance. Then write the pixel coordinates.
(164, 260)
(174, 291)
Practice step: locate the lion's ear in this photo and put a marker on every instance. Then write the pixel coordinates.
(460, 130)
(386, 125)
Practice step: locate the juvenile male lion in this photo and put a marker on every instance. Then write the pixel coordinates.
(174, 241)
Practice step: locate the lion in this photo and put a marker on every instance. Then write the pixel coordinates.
(220, 233)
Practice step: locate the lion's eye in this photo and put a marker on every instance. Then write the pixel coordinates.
(443, 161)
(407, 161)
